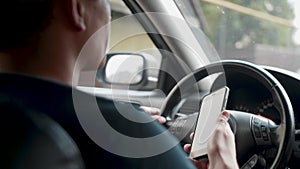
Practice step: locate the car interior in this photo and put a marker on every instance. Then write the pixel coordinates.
(169, 54)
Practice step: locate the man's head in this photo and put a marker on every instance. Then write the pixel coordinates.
(49, 32)
(21, 19)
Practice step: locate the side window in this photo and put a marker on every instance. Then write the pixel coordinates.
(128, 36)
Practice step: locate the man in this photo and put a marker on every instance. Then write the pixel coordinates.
(40, 44)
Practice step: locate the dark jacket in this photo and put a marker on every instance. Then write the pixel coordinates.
(75, 112)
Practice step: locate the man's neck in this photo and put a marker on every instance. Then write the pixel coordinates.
(48, 62)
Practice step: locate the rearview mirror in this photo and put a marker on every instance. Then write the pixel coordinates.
(124, 69)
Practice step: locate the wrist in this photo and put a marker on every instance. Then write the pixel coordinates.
(222, 163)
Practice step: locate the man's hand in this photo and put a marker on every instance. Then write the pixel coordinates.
(221, 147)
(155, 113)
(200, 164)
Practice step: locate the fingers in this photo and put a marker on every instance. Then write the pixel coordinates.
(151, 110)
(159, 118)
(202, 164)
(221, 146)
(223, 118)
(192, 135)
(155, 114)
(187, 148)
(226, 114)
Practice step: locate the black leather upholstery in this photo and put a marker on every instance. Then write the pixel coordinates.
(32, 140)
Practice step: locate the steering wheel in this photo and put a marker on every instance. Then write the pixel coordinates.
(252, 132)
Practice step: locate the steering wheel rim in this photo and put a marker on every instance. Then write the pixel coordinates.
(269, 81)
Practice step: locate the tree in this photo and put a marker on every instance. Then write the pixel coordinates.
(231, 29)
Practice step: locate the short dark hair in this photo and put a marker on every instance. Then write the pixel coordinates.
(20, 19)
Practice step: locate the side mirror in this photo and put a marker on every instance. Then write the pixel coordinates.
(123, 69)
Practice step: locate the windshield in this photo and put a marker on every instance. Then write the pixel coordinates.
(263, 32)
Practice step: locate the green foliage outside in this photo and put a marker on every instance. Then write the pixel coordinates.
(228, 28)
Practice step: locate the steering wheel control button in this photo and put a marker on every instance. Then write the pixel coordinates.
(251, 162)
(264, 133)
(257, 132)
(256, 120)
(260, 130)
(246, 166)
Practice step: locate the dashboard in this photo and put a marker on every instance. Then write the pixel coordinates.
(291, 83)
(248, 95)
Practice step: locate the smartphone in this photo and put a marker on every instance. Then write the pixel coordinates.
(212, 106)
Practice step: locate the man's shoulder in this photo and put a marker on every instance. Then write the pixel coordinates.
(37, 85)
(24, 81)
(40, 92)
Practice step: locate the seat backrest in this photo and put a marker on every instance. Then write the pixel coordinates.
(33, 140)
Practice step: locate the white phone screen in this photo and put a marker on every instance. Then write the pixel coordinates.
(211, 107)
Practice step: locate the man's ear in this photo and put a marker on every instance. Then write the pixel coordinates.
(77, 14)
